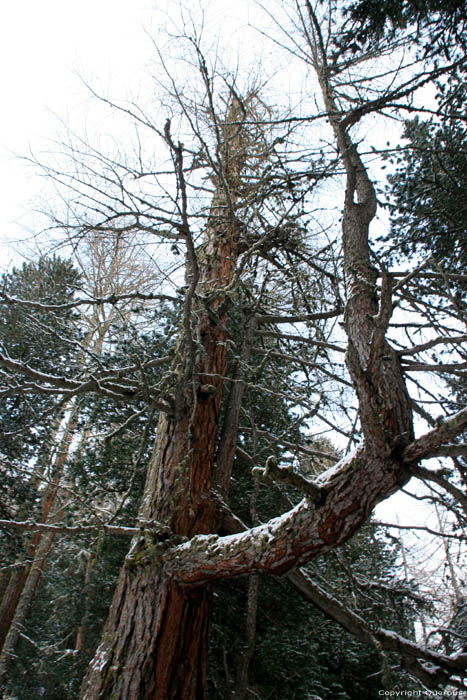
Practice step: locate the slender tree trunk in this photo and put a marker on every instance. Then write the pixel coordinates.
(27, 594)
(154, 643)
(250, 641)
(24, 603)
(36, 550)
(40, 545)
(229, 441)
(81, 631)
(251, 611)
(13, 582)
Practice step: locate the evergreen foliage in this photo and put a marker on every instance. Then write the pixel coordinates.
(427, 190)
(442, 21)
(32, 335)
(245, 366)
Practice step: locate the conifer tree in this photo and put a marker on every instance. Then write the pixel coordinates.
(235, 195)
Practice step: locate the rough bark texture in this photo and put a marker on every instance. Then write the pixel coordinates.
(155, 641)
(154, 644)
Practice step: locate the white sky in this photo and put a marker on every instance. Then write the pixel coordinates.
(45, 46)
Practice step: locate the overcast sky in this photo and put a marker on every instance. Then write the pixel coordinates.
(44, 47)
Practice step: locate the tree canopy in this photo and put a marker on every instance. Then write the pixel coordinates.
(236, 365)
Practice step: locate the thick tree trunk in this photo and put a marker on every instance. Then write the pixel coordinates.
(154, 644)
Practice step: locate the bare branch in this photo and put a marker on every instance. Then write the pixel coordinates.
(309, 341)
(94, 301)
(59, 528)
(414, 655)
(427, 445)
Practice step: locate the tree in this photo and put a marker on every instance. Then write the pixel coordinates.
(239, 207)
(31, 428)
(440, 26)
(107, 266)
(428, 210)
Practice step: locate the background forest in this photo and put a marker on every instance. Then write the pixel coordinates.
(211, 360)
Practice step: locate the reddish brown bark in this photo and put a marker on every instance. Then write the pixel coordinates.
(158, 651)
(156, 631)
(155, 641)
(19, 576)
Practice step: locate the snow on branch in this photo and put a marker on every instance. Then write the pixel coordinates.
(427, 445)
(93, 301)
(31, 526)
(412, 654)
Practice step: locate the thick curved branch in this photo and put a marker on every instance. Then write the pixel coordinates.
(427, 445)
(349, 491)
(413, 656)
(348, 496)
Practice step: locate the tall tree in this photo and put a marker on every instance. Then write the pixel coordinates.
(31, 428)
(109, 265)
(238, 204)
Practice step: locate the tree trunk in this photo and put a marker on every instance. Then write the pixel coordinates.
(154, 645)
(384, 403)
(36, 550)
(93, 556)
(23, 603)
(12, 583)
(250, 638)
